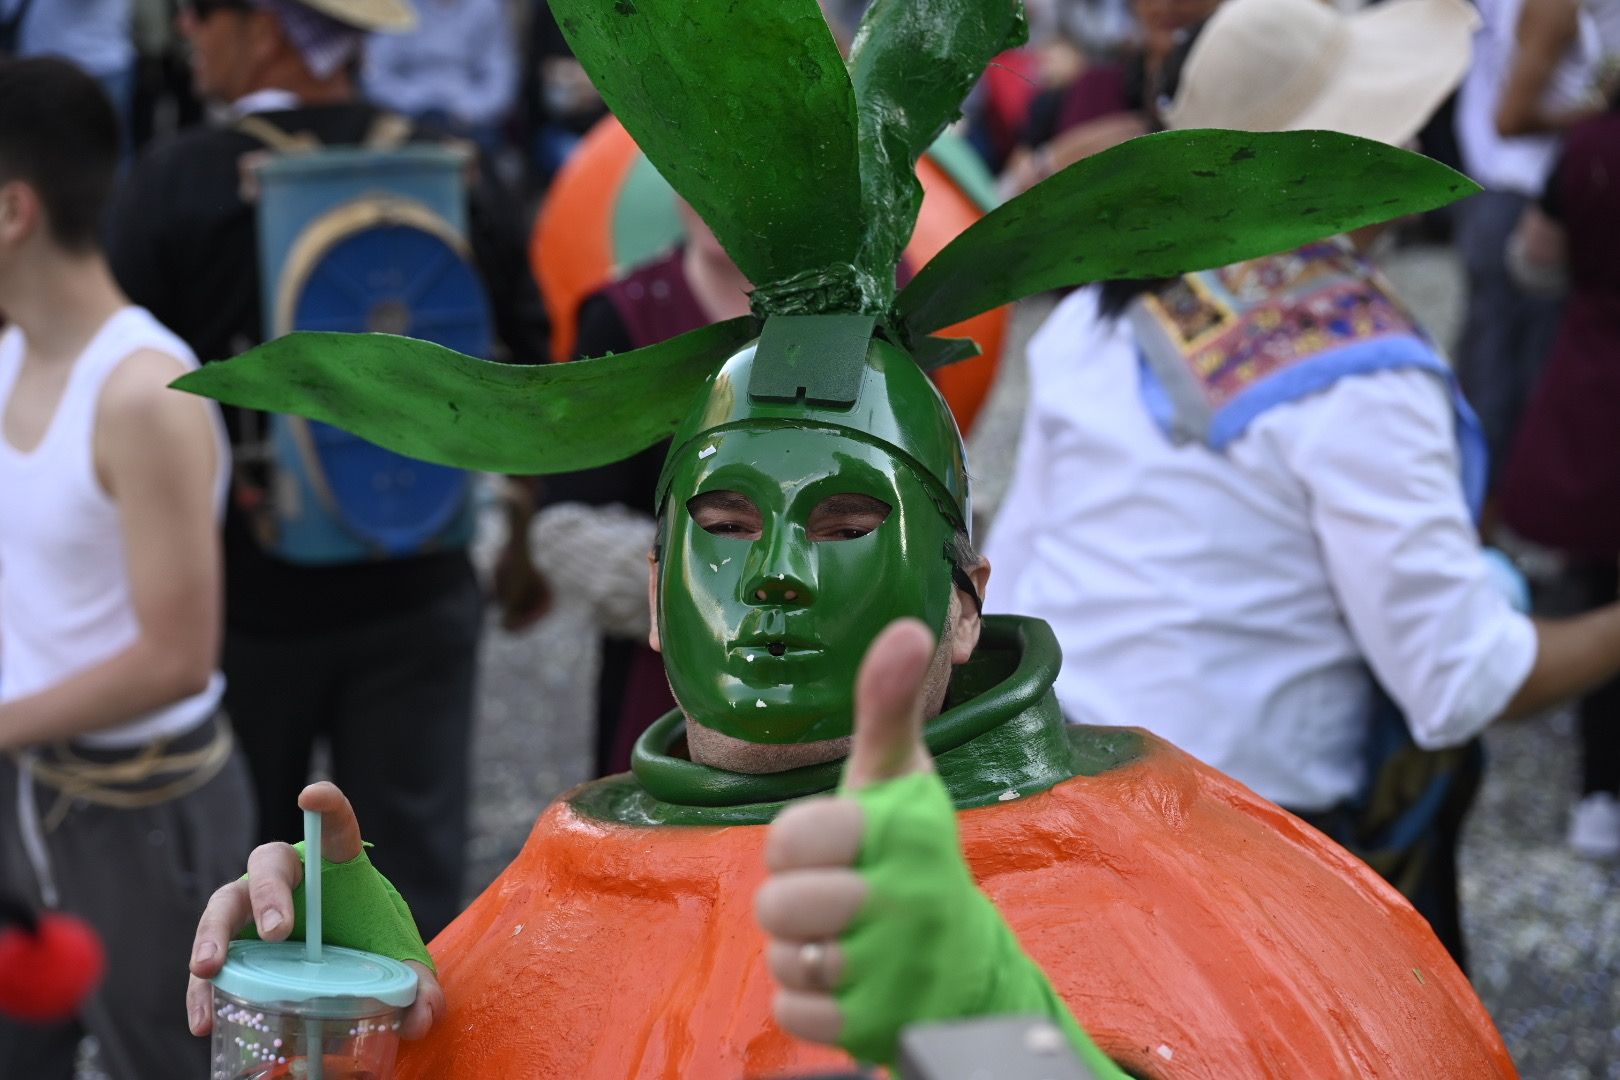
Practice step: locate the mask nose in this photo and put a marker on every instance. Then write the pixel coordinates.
(781, 569)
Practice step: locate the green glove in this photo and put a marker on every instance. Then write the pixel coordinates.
(360, 909)
(927, 945)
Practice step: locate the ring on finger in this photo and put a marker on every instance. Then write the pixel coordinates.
(813, 960)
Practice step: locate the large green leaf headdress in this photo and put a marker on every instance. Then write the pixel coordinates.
(803, 165)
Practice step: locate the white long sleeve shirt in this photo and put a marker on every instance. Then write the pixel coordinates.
(94, 34)
(460, 60)
(1233, 603)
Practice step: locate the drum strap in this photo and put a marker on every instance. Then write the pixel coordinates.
(389, 131)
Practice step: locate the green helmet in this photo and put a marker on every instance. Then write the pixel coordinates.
(804, 167)
(828, 373)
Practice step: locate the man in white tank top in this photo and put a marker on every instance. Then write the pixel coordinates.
(111, 486)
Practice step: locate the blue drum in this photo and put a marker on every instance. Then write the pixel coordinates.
(361, 240)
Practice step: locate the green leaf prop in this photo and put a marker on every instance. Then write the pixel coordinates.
(938, 352)
(912, 64)
(1169, 204)
(747, 110)
(807, 176)
(433, 403)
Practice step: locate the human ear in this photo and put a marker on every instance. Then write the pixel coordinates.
(965, 614)
(266, 39)
(19, 207)
(652, 601)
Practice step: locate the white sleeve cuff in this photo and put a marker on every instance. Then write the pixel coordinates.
(1483, 694)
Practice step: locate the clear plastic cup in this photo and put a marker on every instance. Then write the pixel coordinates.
(278, 1014)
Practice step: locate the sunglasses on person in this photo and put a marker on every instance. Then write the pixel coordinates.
(201, 9)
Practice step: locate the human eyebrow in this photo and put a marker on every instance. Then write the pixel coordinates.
(725, 502)
(847, 516)
(853, 504)
(725, 513)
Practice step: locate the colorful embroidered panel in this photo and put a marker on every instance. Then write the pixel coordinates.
(1220, 347)
(1237, 325)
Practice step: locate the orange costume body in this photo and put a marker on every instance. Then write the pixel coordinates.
(1194, 929)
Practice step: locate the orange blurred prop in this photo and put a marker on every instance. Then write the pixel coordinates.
(572, 253)
(571, 248)
(1196, 930)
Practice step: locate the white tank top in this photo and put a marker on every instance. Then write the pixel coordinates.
(64, 585)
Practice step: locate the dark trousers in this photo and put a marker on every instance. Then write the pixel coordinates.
(141, 877)
(394, 702)
(1600, 710)
(1506, 333)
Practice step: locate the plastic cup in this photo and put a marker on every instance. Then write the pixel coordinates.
(306, 1010)
(277, 1014)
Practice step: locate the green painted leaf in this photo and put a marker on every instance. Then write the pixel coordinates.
(912, 65)
(938, 352)
(1169, 204)
(746, 109)
(432, 403)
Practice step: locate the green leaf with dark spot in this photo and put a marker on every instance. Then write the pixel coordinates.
(433, 403)
(746, 109)
(912, 65)
(1090, 221)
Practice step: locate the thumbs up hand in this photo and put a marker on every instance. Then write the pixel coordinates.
(888, 742)
(873, 917)
(815, 892)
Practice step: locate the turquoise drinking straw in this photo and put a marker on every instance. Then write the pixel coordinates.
(312, 932)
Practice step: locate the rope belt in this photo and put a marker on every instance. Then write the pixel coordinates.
(148, 777)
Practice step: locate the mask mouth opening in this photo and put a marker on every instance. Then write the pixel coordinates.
(778, 648)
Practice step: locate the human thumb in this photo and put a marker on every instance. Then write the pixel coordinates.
(889, 687)
(340, 829)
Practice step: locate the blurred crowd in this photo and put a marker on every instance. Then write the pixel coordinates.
(373, 659)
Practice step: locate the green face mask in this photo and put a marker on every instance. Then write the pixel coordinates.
(762, 637)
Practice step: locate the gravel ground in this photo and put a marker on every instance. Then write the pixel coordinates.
(1543, 925)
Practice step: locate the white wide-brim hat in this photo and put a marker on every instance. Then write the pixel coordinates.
(1295, 65)
(368, 14)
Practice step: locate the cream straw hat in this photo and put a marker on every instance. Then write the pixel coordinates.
(1293, 65)
(368, 14)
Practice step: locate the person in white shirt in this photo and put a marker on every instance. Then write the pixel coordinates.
(456, 69)
(1535, 72)
(1248, 580)
(122, 797)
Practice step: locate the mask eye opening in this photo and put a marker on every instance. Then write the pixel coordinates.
(729, 515)
(847, 516)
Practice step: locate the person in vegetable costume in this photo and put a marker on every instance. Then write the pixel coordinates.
(1173, 923)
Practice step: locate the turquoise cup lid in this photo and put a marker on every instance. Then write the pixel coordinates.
(274, 971)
